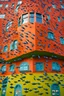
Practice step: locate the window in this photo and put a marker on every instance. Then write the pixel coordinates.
(6, 6)
(59, 19)
(55, 66)
(11, 46)
(17, 90)
(1, 5)
(24, 66)
(12, 68)
(5, 48)
(39, 66)
(50, 35)
(55, 90)
(32, 17)
(2, 16)
(14, 45)
(62, 18)
(18, 5)
(19, 2)
(9, 24)
(48, 17)
(62, 6)
(19, 21)
(54, 6)
(60, 0)
(38, 18)
(62, 40)
(3, 69)
(24, 18)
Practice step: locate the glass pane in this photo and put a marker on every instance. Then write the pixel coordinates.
(39, 66)
(39, 20)
(3, 68)
(2, 15)
(11, 46)
(62, 40)
(15, 44)
(18, 91)
(1, 5)
(62, 6)
(31, 20)
(5, 48)
(50, 35)
(25, 67)
(59, 19)
(55, 90)
(54, 6)
(12, 68)
(25, 20)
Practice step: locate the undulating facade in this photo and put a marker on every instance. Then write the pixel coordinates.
(31, 47)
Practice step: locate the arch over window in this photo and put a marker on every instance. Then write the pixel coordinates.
(55, 66)
(24, 66)
(18, 90)
(12, 68)
(3, 68)
(62, 40)
(50, 35)
(5, 48)
(39, 66)
(55, 90)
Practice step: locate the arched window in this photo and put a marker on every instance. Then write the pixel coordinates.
(15, 44)
(55, 66)
(24, 66)
(4, 85)
(11, 46)
(12, 68)
(62, 40)
(3, 68)
(38, 18)
(5, 48)
(24, 18)
(55, 90)
(32, 17)
(17, 90)
(50, 35)
(18, 5)
(48, 16)
(62, 6)
(39, 66)
(9, 24)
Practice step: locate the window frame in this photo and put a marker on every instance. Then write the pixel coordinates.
(23, 65)
(50, 35)
(55, 66)
(38, 70)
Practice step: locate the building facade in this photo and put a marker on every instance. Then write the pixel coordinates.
(32, 47)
